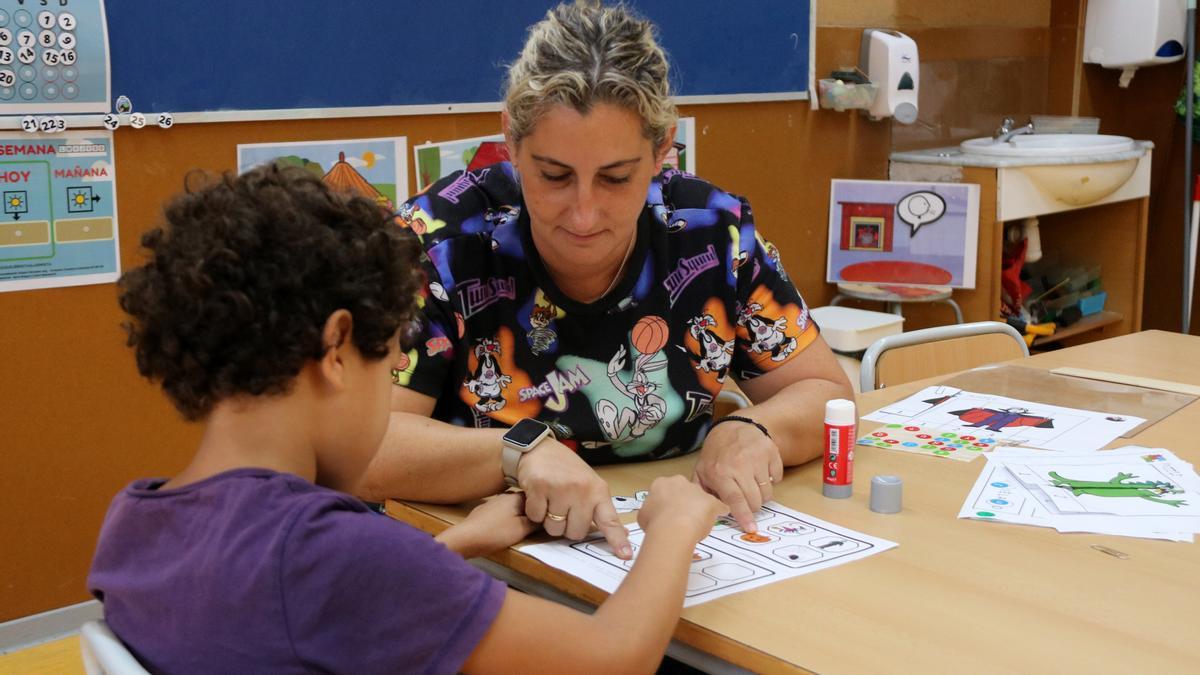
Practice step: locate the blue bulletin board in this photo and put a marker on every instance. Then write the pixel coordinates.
(238, 55)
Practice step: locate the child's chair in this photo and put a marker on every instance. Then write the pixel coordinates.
(936, 351)
(104, 653)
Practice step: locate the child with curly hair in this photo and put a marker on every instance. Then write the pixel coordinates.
(271, 310)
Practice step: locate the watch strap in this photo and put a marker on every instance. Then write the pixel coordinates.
(510, 457)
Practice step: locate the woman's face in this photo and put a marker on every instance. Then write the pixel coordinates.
(584, 178)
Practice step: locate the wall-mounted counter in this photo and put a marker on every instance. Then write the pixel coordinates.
(1093, 209)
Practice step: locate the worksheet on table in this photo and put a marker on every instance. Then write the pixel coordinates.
(788, 544)
(1007, 421)
(1032, 487)
(1123, 486)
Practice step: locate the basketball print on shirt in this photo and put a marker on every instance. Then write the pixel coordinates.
(624, 422)
(634, 379)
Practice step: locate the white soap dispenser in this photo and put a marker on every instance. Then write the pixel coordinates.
(889, 59)
(1128, 34)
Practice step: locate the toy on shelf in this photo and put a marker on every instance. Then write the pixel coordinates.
(1064, 293)
(1041, 294)
(1029, 330)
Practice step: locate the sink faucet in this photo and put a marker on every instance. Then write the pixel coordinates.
(1006, 130)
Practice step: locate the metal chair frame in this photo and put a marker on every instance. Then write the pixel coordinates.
(870, 360)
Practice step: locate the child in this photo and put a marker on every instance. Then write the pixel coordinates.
(271, 310)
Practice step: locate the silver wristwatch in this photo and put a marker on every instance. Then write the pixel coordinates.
(518, 440)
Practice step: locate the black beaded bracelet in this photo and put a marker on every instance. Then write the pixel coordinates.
(739, 418)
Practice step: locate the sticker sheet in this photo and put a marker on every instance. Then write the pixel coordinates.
(963, 447)
(1007, 421)
(788, 544)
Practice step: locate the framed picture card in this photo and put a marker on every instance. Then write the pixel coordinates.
(891, 232)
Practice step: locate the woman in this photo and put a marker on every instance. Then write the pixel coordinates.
(578, 287)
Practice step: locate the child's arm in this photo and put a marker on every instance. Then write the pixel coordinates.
(630, 631)
(497, 523)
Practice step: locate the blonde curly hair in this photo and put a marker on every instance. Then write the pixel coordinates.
(584, 53)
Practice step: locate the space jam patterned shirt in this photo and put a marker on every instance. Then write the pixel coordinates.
(631, 376)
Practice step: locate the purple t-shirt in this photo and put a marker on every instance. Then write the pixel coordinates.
(257, 571)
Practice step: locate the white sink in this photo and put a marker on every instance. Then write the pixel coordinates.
(1081, 184)
(1041, 158)
(1048, 145)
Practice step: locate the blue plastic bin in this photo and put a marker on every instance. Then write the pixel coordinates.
(1092, 303)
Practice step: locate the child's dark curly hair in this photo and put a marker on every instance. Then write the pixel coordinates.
(241, 280)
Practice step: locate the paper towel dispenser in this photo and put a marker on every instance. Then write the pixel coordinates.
(1128, 34)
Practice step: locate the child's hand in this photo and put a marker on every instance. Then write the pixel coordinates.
(674, 501)
(497, 523)
(500, 520)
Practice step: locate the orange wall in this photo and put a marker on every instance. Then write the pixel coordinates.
(77, 423)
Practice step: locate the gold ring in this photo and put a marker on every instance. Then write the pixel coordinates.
(555, 516)
(764, 482)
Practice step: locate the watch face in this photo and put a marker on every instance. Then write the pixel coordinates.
(525, 432)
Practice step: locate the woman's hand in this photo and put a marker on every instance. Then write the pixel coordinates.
(566, 496)
(739, 464)
(497, 523)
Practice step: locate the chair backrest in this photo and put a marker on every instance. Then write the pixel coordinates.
(929, 352)
(104, 653)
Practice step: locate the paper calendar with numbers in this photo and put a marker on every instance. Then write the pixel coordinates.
(53, 57)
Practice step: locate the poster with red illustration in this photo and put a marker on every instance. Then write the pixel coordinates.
(899, 233)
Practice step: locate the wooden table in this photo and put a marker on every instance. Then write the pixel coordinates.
(956, 595)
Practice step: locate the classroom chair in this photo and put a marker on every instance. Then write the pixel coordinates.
(104, 653)
(929, 352)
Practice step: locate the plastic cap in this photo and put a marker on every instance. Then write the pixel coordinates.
(886, 493)
(840, 412)
(906, 113)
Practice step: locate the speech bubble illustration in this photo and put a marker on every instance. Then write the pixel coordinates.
(921, 208)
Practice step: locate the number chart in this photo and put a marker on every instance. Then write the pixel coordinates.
(53, 57)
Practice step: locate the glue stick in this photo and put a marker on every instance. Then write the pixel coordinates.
(837, 471)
